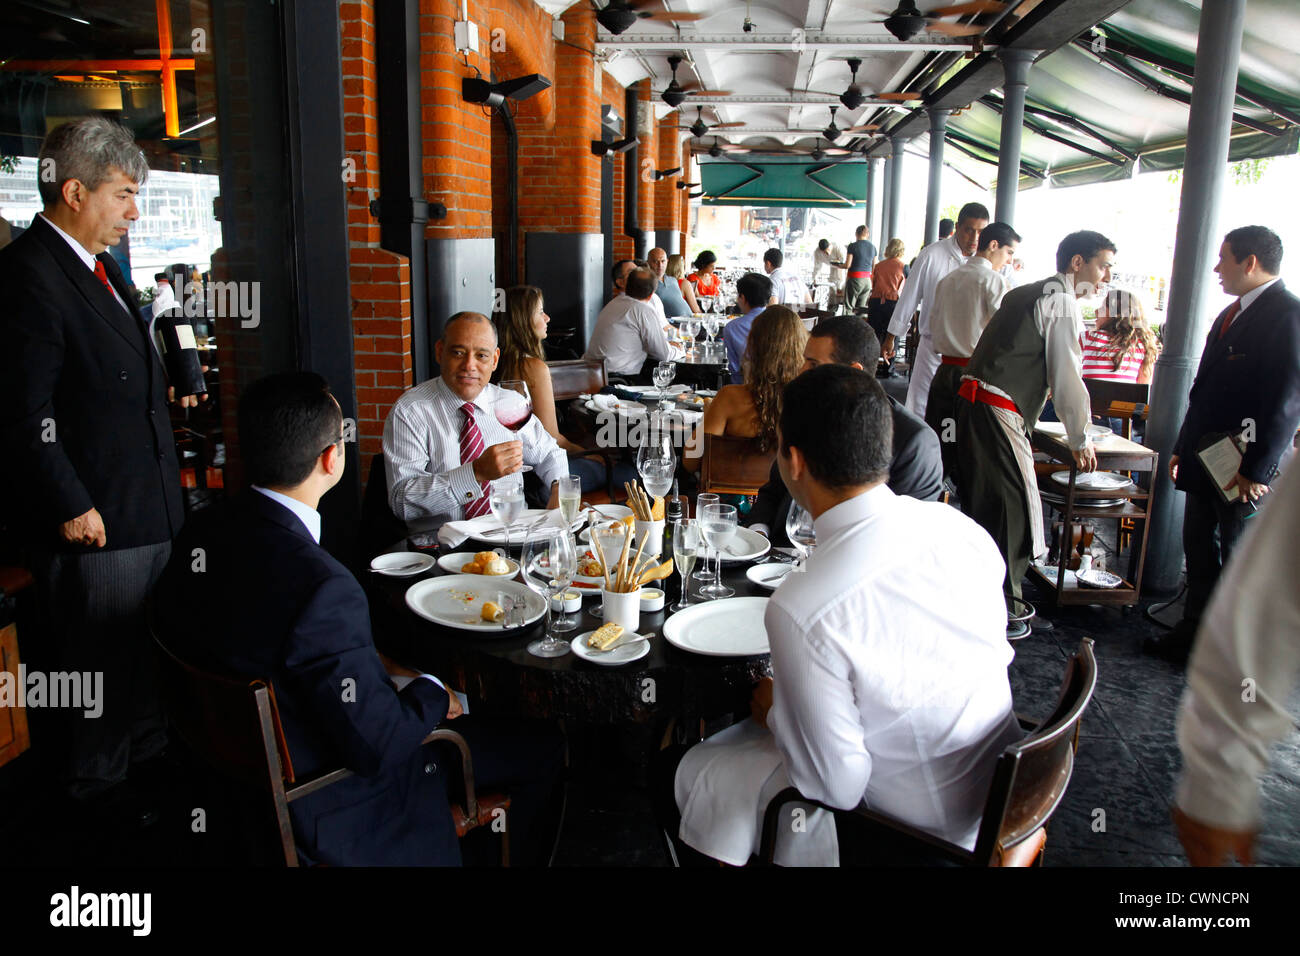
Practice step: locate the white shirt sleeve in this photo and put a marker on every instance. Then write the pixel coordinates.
(654, 339)
(910, 297)
(1057, 317)
(1246, 663)
(414, 491)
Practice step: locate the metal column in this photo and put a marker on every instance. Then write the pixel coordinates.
(938, 124)
(875, 198)
(1015, 67)
(1196, 245)
(893, 180)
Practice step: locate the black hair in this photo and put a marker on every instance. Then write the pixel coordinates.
(1257, 241)
(998, 232)
(159, 276)
(613, 273)
(824, 244)
(861, 231)
(286, 422)
(946, 226)
(973, 210)
(774, 256)
(839, 419)
(641, 283)
(756, 289)
(1084, 243)
(703, 259)
(852, 340)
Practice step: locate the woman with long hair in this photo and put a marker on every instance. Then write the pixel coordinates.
(706, 281)
(886, 281)
(1122, 348)
(521, 329)
(773, 357)
(677, 270)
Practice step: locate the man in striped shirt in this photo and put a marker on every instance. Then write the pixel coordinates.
(443, 444)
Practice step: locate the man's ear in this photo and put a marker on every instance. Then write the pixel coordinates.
(798, 464)
(73, 193)
(496, 358)
(331, 459)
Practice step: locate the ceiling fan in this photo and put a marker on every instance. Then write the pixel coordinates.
(676, 94)
(907, 21)
(853, 97)
(699, 127)
(617, 15)
(832, 132)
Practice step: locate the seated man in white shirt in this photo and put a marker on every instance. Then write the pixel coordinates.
(443, 443)
(787, 287)
(889, 653)
(629, 329)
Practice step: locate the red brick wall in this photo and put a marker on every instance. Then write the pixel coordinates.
(614, 94)
(647, 157)
(668, 207)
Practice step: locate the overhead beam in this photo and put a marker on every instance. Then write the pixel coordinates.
(827, 42)
(809, 98)
(1042, 131)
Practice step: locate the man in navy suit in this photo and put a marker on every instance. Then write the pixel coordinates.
(1248, 381)
(278, 606)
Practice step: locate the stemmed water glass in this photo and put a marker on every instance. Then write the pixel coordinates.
(719, 523)
(506, 496)
(706, 303)
(663, 376)
(548, 564)
(656, 461)
(711, 325)
(514, 406)
(801, 532)
(686, 547)
(690, 328)
(701, 502)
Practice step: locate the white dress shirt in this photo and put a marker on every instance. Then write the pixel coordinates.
(964, 301)
(821, 266)
(1251, 296)
(628, 331)
(85, 256)
(787, 287)
(1248, 633)
(933, 263)
(427, 482)
(889, 668)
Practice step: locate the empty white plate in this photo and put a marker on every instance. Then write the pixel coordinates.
(769, 575)
(732, 627)
(402, 564)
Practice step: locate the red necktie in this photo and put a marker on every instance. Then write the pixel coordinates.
(471, 446)
(102, 275)
(1227, 319)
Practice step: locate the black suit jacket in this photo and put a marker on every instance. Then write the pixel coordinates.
(277, 605)
(83, 400)
(1253, 372)
(915, 471)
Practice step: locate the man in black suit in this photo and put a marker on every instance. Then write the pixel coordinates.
(917, 466)
(1248, 380)
(278, 606)
(90, 462)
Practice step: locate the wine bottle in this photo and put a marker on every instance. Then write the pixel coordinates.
(180, 353)
(672, 511)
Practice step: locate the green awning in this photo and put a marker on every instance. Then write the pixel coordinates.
(808, 185)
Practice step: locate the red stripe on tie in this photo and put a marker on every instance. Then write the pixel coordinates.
(471, 447)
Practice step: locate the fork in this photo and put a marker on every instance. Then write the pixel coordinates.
(401, 567)
(620, 644)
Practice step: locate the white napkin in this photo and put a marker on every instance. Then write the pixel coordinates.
(453, 534)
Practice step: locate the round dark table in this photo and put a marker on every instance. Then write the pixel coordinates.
(500, 676)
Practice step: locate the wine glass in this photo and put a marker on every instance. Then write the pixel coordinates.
(706, 303)
(514, 406)
(506, 496)
(719, 524)
(686, 547)
(656, 461)
(663, 376)
(711, 326)
(570, 498)
(801, 532)
(690, 328)
(549, 562)
(702, 502)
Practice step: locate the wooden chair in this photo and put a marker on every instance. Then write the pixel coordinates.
(234, 725)
(732, 466)
(571, 378)
(1028, 785)
(1123, 400)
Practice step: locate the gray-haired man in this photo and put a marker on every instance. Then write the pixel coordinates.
(87, 442)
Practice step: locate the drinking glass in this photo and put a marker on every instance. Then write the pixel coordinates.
(506, 496)
(702, 502)
(514, 406)
(549, 562)
(690, 328)
(711, 326)
(570, 498)
(799, 529)
(663, 376)
(686, 547)
(719, 524)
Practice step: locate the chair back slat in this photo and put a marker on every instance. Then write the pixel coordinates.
(573, 377)
(733, 466)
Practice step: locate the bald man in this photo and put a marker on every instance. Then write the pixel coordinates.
(669, 292)
(443, 443)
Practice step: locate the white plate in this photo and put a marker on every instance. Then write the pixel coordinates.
(619, 655)
(488, 528)
(612, 512)
(456, 600)
(452, 563)
(732, 627)
(745, 545)
(1093, 578)
(1093, 480)
(769, 575)
(1095, 432)
(398, 559)
(655, 390)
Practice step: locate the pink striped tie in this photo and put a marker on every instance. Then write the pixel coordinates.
(471, 446)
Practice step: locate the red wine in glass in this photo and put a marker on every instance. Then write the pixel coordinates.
(514, 407)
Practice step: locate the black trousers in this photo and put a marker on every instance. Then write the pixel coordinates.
(1211, 530)
(941, 414)
(879, 312)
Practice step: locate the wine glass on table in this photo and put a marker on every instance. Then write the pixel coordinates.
(656, 461)
(706, 303)
(701, 502)
(801, 532)
(711, 325)
(719, 523)
(690, 328)
(506, 496)
(663, 376)
(686, 547)
(514, 406)
(549, 562)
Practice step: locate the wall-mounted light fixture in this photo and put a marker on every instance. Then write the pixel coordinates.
(475, 89)
(601, 148)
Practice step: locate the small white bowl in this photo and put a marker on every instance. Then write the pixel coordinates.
(652, 599)
(567, 602)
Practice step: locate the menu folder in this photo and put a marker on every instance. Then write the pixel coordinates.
(1220, 455)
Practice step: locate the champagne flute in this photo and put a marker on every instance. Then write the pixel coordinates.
(719, 523)
(686, 547)
(800, 530)
(514, 406)
(506, 496)
(570, 498)
(549, 562)
(702, 502)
